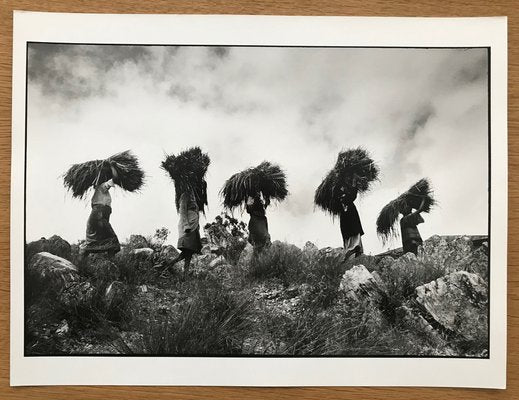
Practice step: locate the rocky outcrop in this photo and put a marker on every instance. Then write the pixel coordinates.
(47, 272)
(459, 302)
(358, 284)
(53, 245)
(456, 253)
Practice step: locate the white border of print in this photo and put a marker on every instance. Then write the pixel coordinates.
(265, 30)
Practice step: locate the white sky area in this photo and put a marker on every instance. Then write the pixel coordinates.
(419, 112)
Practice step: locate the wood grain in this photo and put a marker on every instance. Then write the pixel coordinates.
(281, 7)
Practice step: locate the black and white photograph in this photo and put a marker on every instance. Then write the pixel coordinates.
(229, 201)
(256, 201)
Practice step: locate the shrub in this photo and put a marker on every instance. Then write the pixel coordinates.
(228, 236)
(158, 239)
(135, 269)
(213, 321)
(324, 274)
(280, 261)
(401, 278)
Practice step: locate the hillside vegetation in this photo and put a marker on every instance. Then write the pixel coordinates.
(287, 301)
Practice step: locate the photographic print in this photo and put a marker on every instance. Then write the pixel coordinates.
(273, 201)
(257, 201)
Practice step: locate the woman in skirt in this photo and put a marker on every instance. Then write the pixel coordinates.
(189, 241)
(351, 228)
(259, 236)
(100, 236)
(409, 222)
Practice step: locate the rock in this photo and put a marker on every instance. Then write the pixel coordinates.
(78, 295)
(310, 248)
(115, 295)
(137, 242)
(48, 272)
(459, 302)
(143, 288)
(100, 269)
(53, 245)
(358, 284)
(416, 323)
(456, 253)
(203, 261)
(63, 328)
(208, 249)
(168, 253)
(246, 255)
(142, 252)
(217, 261)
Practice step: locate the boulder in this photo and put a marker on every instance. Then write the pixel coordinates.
(454, 253)
(53, 245)
(168, 253)
(137, 242)
(48, 272)
(359, 284)
(310, 248)
(143, 252)
(459, 302)
(417, 324)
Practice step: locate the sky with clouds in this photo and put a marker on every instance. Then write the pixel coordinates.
(420, 113)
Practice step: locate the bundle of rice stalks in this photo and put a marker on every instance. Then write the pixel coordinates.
(187, 170)
(420, 192)
(81, 177)
(267, 180)
(354, 169)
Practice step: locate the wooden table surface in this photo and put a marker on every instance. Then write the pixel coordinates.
(454, 8)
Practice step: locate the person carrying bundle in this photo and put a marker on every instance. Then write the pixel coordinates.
(254, 188)
(351, 227)
(353, 173)
(187, 170)
(420, 198)
(259, 236)
(411, 238)
(100, 236)
(121, 169)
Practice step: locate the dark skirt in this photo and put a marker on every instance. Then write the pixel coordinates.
(350, 222)
(190, 242)
(100, 236)
(258, 231)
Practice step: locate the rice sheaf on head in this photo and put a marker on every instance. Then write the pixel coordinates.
(267, 179)
(81, 177)
(354, 169)
(187, 170)
(387, 219)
